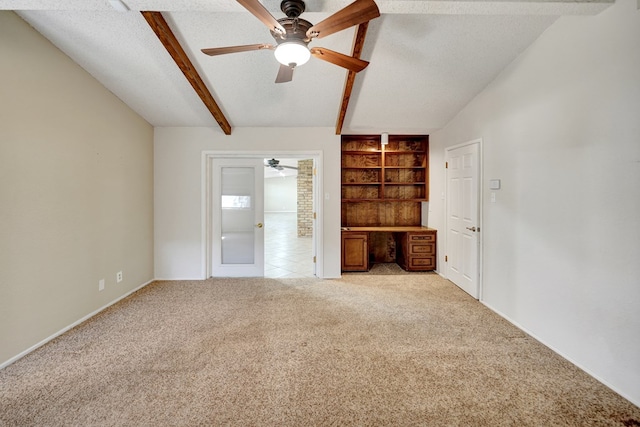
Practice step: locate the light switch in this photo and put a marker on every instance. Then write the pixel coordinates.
(494, 184)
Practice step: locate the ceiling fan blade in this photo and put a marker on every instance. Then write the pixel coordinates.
(285, 74)
(356, 13)
(339, 59)
(213, 51)
(260, 12)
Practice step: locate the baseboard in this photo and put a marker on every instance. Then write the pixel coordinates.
(71, 326)
(561, 354)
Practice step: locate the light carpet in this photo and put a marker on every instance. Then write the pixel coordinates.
(364, 350)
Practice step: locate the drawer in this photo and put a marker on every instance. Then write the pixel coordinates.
(422, 238)
(422, 249)
(428, 263)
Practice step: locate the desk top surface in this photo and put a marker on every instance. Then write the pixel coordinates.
(392, 229)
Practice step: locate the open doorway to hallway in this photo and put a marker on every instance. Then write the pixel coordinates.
(288, 211)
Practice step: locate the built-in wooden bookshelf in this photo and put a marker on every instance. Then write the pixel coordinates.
(384, 185)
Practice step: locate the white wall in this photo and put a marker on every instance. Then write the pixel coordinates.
(178, 189)
(281, 194)
(561, 129)
(76, 188)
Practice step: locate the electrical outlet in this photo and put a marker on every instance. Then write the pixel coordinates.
(119, 277)
(101, 285)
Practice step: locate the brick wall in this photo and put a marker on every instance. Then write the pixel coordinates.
(305, 198)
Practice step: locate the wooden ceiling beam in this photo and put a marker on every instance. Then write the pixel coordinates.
(159, 26)
(356, 51)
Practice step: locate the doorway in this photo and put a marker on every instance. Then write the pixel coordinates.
(284, 254)
(462, 260)
(288, 216)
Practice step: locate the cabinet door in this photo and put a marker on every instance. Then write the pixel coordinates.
(355, 253)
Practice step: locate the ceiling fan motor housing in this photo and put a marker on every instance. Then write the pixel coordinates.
(295, 28)
(292, 8)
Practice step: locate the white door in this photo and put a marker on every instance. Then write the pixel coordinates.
(463, 226)
(237, 244)
(314, 231)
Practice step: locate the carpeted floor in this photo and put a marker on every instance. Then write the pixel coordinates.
(384, 268)
(365, 350)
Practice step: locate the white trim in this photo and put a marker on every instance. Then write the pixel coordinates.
(204, 209)
(561, 354)
(480, 217)
(318, 206)
(207, 155)
(71, 326)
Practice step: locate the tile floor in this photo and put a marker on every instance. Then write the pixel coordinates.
(285, 254)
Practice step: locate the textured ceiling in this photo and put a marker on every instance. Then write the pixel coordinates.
(428, 59)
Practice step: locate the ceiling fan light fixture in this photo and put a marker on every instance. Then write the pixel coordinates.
(292, 52)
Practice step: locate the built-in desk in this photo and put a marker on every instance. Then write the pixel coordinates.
(413, 248)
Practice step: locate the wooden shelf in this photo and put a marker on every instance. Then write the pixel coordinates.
(404, 159)
(383, 188)
(382, 200)
(384, 185)
(364, 183)
(403, 153)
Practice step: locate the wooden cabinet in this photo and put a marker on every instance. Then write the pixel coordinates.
(414, 248)
(384, 185)
(417, 250)
(355, 251)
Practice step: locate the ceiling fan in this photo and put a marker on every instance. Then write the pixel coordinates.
(275, 164)
(292, 35)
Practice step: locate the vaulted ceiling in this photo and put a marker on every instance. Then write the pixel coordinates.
(428, 59)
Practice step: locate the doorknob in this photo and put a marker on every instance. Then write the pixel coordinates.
(259, 225)
(471, 228)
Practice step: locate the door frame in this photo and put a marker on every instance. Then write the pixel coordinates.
(206, 196)
(479, 208)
